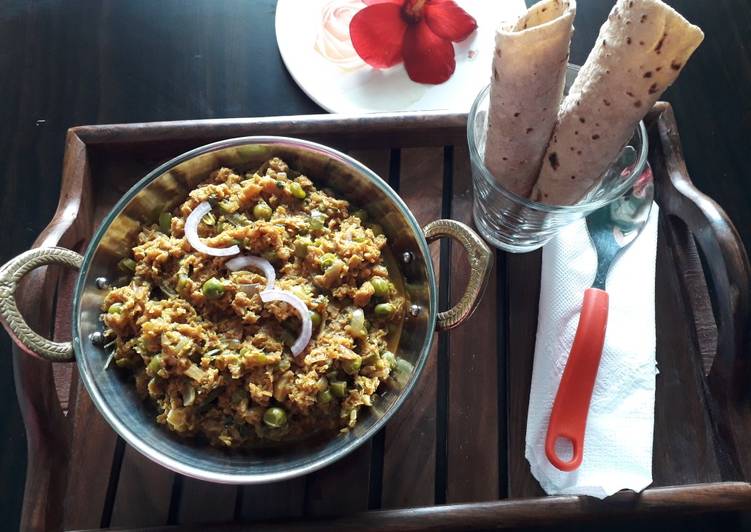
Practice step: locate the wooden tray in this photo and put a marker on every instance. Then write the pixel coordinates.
(453, 456)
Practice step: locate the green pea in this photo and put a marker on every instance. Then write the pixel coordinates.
(380, 285)
(384, 310)
(325, 396)
(127, 265)
(275, 417)
(296, 190)
(389, 358)
(338, 389)
(351, 367)
(262, 211)
(155, 364)
(165, 223)
(115, 308)
(315, 318)
(361, 214)
(279, 184)
(327, 259)
(301, 246)
(213, 288)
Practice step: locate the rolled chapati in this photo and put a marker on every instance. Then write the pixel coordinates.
(529, 69)
(639, 53)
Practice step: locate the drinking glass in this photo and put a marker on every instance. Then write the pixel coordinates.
(518, 224)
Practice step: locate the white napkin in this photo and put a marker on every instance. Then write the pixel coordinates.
(618, 438)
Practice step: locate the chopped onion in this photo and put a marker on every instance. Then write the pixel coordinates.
(195, 373)
(191, 233)
(302, 309)
(258, 263)
(189, 394)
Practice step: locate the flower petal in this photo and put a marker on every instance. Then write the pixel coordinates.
(377, 33)
(428, 58)
(448, 20)
(373, 2)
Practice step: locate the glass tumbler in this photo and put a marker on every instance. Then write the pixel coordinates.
(518, 224)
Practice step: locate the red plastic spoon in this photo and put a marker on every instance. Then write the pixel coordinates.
(612, 228)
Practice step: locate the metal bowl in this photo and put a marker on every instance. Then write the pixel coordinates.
(112, 391)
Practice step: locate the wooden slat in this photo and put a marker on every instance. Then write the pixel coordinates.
(284, 499)
(206, 502)
(144, 492)
(92, 452)
(473, 371)
(341, 488)
(410, 440)
(522, 292)
(377, 160)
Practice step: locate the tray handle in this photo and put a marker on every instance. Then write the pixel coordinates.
(726, 258)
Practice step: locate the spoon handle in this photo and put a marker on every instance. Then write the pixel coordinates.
(568, 418)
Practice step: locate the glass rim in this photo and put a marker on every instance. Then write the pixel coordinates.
(479, 164)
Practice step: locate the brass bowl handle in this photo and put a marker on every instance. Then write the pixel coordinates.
(10, 275)
(480, 264)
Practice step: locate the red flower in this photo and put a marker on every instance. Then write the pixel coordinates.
(418, 32)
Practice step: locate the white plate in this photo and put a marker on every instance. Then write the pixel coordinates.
(356, 87)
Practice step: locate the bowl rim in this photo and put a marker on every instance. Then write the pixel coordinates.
(180, 466)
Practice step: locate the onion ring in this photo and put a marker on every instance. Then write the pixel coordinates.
(299, 305)
(258, 263)
(191, 233)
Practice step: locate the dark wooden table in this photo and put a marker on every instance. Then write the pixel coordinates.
(68, 62)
